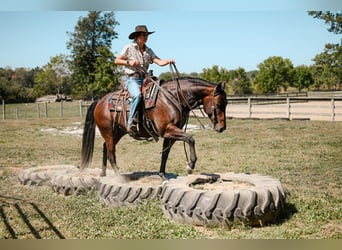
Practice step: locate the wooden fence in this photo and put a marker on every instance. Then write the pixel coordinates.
(290, 108)
(44, 110)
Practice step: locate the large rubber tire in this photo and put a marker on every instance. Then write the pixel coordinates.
(141, 186)
(42, 175)
(76, 182)
(223, 199)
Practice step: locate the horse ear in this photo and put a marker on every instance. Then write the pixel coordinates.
(219, 87)
(222, 84)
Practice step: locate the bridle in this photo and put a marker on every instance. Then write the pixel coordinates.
(213, 107)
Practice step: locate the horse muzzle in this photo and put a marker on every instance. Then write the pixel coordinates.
(220, 129)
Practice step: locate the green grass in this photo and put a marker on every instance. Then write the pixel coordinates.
(304, 155)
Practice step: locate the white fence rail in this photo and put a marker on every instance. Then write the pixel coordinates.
(290, 108)
(43, 110)
(287, 108)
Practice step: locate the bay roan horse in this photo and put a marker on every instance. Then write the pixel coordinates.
(175, 100)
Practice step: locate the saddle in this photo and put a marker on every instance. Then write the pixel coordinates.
(119, 102)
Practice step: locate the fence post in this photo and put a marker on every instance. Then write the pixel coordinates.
(332, 109)
(46, 110)
(3, 110)
(61, 107)
(38, 110)
(249, 107)
(288, 106)
(81, 111)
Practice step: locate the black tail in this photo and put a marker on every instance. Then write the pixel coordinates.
(88, 137)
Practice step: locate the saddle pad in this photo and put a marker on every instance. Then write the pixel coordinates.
(150, 96)
(116, 101)
(120, 100)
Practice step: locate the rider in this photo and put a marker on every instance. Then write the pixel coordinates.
(136, 57)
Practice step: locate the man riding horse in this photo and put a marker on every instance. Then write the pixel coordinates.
(136, 57)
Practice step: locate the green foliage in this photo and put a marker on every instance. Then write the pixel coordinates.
(167, 75)
(53, 78)
(237, 81)
(327, 68)
(215, 74)
(91, 35)
(16, 85)
(239, 84)
(334, 20)
(274, 74)
(302, 77)
(104, 78)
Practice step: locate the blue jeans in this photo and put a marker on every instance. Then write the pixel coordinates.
(133, 86)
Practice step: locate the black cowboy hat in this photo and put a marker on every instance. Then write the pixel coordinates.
(139, 29)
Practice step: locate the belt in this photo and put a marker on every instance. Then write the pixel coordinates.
(137, 75)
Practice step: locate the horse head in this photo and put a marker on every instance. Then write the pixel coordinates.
(215, 107)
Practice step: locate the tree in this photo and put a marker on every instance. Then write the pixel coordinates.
(5, 78)
(91, 33)
(215, 74)
(334, 20)
(239, 83)
(53, 78)
(328, 65)
(274, 74)
(104, 79)
(302, 77)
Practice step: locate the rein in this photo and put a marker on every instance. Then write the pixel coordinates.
(173, 68)
(180, 93)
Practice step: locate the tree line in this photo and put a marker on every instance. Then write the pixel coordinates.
(89, 71)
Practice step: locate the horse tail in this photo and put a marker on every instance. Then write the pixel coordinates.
(88, 137)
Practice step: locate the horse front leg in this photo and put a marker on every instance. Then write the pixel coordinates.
(193, 157)
(167, 144)
(176, 134)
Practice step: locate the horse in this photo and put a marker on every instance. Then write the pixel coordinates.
(175, 99)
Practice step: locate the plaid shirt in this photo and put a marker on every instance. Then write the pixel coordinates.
(131, 52)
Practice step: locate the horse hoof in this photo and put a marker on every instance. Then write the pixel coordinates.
(163, 177)
(189, 170)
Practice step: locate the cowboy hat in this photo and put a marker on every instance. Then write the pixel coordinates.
(139, 29)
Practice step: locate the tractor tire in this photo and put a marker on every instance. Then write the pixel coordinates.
(76, 182)
(138, 187)
(42, 175)
(223, 199)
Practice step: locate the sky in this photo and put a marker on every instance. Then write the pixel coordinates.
(195, 39)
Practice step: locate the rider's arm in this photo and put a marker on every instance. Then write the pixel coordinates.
(162, 62)
(122, 60)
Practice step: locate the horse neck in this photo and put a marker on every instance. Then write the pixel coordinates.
(195, 94)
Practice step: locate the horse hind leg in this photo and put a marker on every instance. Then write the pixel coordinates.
(112, 159)
(104, 160)
(111, 156)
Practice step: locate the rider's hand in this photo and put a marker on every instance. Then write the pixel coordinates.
(134, 63)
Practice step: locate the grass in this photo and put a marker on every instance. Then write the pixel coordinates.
(304, 155)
